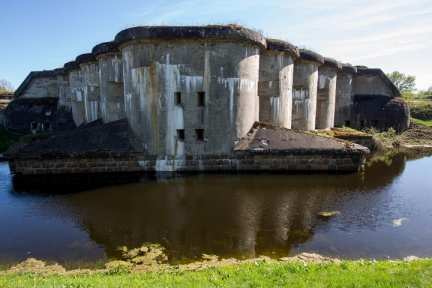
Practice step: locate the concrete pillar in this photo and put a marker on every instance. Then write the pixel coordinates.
(111, 81)
(326, 96)
(63, 87)
(275, 84)
(344, 96)
(190, 90)
(76, 90)
(91, 92)
(305, 90)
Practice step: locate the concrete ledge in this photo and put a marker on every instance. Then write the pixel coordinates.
(60, 71)
(106, 47)
(85, 58)
(332, 64)
(72, 65)
(264, 138)
(282, 46)
(234, 32)
(382, 75)
(306, 55)
(349, 69)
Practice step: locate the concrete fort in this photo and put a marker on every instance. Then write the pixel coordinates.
(187, 92)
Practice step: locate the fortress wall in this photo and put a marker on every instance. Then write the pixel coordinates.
(199, 89)
(275, 83)
(344, 96)
(189, 95)
(111, 81)
(305, 86)
(326, 95)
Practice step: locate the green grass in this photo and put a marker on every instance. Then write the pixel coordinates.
(295, 274)
(424, 122)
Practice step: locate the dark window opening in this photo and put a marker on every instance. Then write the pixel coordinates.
(180, 135)
(47, 126)
(34, 125)
(201, 99)
(347, 123)
(199, 134)
(177, 98)
(375, 123)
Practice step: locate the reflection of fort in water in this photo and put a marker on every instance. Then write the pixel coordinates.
(228, 215)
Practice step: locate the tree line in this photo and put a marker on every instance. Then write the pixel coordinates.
(6, 86)
(406, 85)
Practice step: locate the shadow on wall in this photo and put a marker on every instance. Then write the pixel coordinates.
(37, 115)
(380, 112)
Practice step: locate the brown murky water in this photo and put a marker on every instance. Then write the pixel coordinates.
(385, 211)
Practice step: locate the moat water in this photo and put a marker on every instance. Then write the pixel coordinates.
(385, 212)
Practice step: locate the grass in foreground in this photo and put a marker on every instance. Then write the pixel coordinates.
(259, 274)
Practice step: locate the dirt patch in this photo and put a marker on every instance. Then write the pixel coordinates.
(151, 258)
(416, 135)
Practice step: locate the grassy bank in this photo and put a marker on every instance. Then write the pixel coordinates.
(362, 273)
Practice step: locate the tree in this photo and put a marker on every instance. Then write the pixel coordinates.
(404, 83)
(6, 86)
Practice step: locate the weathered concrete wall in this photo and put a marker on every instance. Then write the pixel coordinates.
(63, 86)
(305, 85)
(326, 95)
(41, 87)
(91, 92)
(373, 82)
(186, 95)
(110, 80)
(275, 83)
(344, 96)
(77, 92)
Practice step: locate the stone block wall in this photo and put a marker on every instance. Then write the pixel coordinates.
(224, 162)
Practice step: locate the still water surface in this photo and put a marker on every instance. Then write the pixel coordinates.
(386, 212)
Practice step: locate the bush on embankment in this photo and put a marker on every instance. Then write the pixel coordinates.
(421, 110)
(7, 139)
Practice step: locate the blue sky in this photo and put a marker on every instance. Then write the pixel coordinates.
(387, 34)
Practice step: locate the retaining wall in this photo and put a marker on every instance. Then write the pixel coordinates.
(231, 162)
